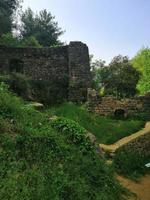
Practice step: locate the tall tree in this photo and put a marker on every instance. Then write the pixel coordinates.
(42, 26)
(97, 70)
(7, 9)
(142, 62)
(120, 78)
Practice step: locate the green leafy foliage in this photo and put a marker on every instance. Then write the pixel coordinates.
(9, 107)
(7, 9)
(8, 40)
(142, 63)
(96, 69)
(41, 26)
(75, 134)
(30, 42)
(38, 162)
(119, 78)
(47, 92)
(18, 84)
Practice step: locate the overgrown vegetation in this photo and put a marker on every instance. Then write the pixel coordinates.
(47, 92)
(130, 160)
(142, 63)
(45, 159)
(106, 130)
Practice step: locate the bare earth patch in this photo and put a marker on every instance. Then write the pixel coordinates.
(141, 189)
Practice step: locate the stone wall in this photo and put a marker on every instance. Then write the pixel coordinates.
(110, 106)
(79, 72)
(67, 67)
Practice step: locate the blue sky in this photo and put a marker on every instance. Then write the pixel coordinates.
(108, 27)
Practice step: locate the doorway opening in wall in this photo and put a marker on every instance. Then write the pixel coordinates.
(119, 113)
(16, 66)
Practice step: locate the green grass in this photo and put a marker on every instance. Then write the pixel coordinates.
(42, 160)
(106, 130)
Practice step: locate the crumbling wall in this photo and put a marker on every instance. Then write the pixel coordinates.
(66, 69)
(109, 105)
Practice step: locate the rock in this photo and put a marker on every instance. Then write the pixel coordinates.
(94, 142)
(38, 106)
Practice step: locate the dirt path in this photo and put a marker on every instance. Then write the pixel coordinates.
(112, 148)
(141, 188)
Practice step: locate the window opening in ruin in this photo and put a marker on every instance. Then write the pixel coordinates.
(16, 65)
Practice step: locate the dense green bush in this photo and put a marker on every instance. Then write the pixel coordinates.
(10, 105)
(19, 84)
(46, 92)
(74, 133)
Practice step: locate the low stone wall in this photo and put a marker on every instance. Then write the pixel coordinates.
(110, 106)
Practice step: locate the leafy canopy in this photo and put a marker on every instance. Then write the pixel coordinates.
(142, 63)
(41, 26)
(119, 78)
(7, 9)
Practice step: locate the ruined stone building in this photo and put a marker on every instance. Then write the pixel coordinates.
(65, 68)
(66, 73)
(138, 106)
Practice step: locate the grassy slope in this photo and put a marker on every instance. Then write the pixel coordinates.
(38, 162)
(106, 130)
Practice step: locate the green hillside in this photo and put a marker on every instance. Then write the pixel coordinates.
(39, 162)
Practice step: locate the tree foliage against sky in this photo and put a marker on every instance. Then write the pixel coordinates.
(42, 26)
(119, 78)
(38, 29)
(7, 9)
(142, 62)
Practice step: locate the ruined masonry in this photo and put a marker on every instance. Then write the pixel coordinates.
(66, 67)
(112, 106)
(65, 72)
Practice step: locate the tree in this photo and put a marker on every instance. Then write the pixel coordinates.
(7, 9)
(97, 70)
(142, 63)
(120, 78)
(42, 26)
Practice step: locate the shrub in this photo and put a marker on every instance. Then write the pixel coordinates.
(74, 133)
(10, 105)
(18, 84)
(130, 159)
